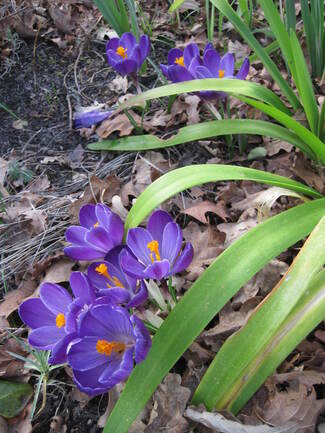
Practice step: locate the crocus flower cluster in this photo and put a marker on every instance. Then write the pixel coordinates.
(189, 65)
(92, 329)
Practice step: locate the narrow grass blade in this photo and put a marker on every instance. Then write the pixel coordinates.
(226, 384)
(224, 277)
(202, 131)
(245, 32)
(310, 139)
(304, 84)
(290, 15)
(186, 177)
(231, 86)
(175, 5)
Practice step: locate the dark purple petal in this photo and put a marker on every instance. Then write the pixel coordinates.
(89, 326)
(165, 70)
(178, 74)
(100, 238)
(84, 253)
(114, 296)
(142, 339)
(115, 228)
(132, 267)
(136, 55)
(55, 298)
(158, 270)
(46, 337)
(138, 240)
(87, 216)
(126, 67)
(89, 118)
(156, 224)
(140, 297)
(196, 61)
(184, 259)
(173, 54)
(209, 46)
(83, 355)
(113, 58)
(243, 71)
(81, 287)
(227, 64)
(102, 214)
(118, 370)
(34, 314)
(116, 321)
(113, 44)
(128, 41)
(87, 381)
(128, 281)
(172, 242)
(76, 235)
(144, 44)
(59, 350)
(203, 72)
(211, 60)
(190, 51)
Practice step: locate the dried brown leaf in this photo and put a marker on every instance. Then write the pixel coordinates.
(199, 211)
(120, 123)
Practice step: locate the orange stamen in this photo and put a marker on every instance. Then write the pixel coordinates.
(154, 249)
(105, 347)
(60, 320)
(180, 61)
(121, 51)
(102, 270)
(221, 73)
(96, 224)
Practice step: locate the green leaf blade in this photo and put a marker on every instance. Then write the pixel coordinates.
(13, 397)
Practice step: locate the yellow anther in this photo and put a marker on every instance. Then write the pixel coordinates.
(180, 61)
(154, 249)
(96, 224)
(121, 51)
(102, 270)
(116, 282)
(107, 347)
(60, 320)
(221, 73)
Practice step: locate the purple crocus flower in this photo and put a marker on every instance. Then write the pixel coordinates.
(111, 282)
(188, 65)
(100, 230)
(125, 55)
(157, 250)
(53, 323)
(109, 342)
(89, 118)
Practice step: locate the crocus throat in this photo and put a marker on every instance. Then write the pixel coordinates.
(180, 61)
(102, 270)
(96, 224)
(221, 73)
(121, 51)
(106, 348)
(60, 320)
(154, 250)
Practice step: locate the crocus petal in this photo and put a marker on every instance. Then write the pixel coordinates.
(113, 58)
(128, 41)
(157, 270)
(34, 314)
(126, 67)
(178, 74)
(227, 64)
(184, 259)
(243, 71)
(87, 216)
(132, 267)
(203, 72)
(46, 337)
(82, 354)
(165, 70)
(209, 46)
(81, 287)
(190, 51)
(115, 227)
(136, 55)
(116, 321)
(117, 371)
(89, 326)
(172, 242)
(142, 339)
(55, 298)
(127, 281)
(84, 253)
(156, 224)
(87, 381)
(100, 238)
(113, 44)
(59, 350)
(144, 44)
(211, 60)
(195, 62)
(173, 54)
(76, 235)
(138, 240)
(102, 214)
(89, 118)
(115, 296)
(140, 297)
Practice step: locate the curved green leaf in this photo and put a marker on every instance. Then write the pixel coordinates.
(232, 86)
(224, 277)
(13, 397)
(186, 177)
(245, 32)
(226, 384)
(202, 131)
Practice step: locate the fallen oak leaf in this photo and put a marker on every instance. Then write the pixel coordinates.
(199, 211)
(120, 123)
